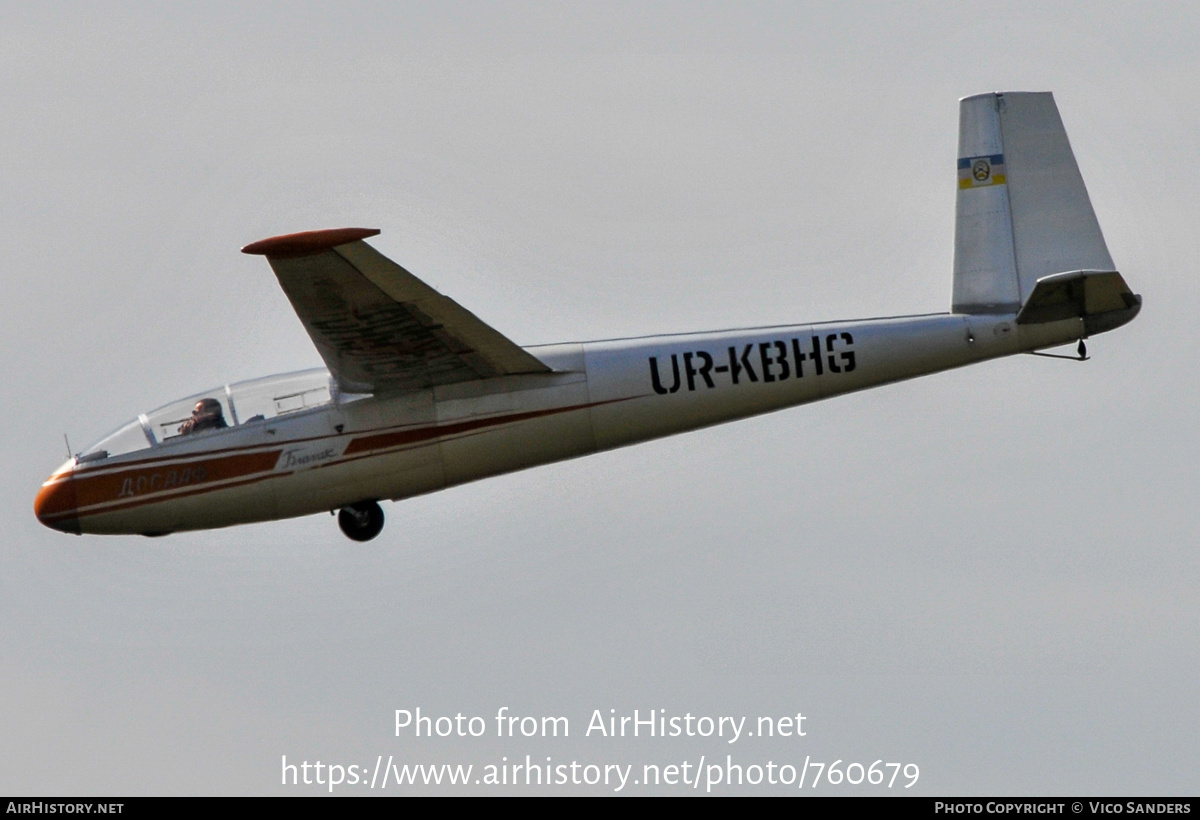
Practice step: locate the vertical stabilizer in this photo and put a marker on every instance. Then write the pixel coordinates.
(1023, 211)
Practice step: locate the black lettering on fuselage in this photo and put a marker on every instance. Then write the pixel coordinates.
(764, 350)
(764, 354)
(847, 355)
(735, 369)
(833, 365)
(800, 357)
(816, 354)
(835, 356)
(702, 372)
(654, 379)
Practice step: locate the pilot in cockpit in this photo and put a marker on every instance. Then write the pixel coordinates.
(207, 415)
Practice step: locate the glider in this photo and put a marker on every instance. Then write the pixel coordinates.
(418, 394)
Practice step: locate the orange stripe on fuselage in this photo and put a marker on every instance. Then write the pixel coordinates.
(141, 482)
(166, 478)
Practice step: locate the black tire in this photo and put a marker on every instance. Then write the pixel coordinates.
(362, 521)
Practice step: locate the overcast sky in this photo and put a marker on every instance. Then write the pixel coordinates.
(990, 573)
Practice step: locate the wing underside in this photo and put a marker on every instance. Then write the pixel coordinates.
(378, 327)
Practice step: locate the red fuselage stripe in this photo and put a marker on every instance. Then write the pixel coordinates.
(238, 470)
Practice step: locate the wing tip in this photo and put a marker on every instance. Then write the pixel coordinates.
(306, 243)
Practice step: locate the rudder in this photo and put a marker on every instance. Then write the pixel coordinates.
(1023, 211)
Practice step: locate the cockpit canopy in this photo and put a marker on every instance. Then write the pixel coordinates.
(234, 405)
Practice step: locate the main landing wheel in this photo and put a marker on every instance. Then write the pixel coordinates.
(362, 521)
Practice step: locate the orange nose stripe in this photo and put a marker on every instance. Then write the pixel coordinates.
(56, 504)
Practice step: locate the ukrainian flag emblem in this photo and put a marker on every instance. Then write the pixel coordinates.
(979, 172)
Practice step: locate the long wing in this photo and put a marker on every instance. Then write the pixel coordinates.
(378, 327)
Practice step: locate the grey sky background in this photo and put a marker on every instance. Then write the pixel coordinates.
(990, 573)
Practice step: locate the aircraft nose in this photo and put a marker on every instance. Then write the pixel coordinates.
(56, 504)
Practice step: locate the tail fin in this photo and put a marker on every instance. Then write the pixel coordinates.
(1023, 217)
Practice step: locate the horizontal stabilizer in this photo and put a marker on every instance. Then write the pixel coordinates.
(1100, 298)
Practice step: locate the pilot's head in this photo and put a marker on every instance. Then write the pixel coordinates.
(207, 409)
(206, 415)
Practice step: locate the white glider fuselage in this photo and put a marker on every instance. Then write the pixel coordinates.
(420, 394)
(599, 395)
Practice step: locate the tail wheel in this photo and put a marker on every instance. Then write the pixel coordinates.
(362, 521)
